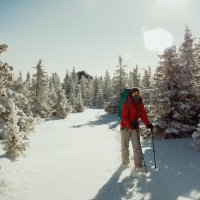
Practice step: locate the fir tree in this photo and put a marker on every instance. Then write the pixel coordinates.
(100, 99)
(12, 138)
(6, 78)
(174, 107)
(196, 73)
(83, 88)
(73, 87)
(146, 79)
(134, 77)
(79, 102)
(118, 83)
(13, 142)
(62, 106)
(89, 93)
(40, 93)
(187, 50)
(107, 87)
(3, 48)
(95, 91)
(56, 82)
(196, 137)
(119, 78)
(66, 84)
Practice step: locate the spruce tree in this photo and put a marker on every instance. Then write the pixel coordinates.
(187, 50)
(79, 107)
(119, 78)
(62, 106)
(146, 79)
(89, 93)
(40, 93)
(119, 81)
(95, 91)
(83, 88)
(66, 84)
(100, 99)
(73, 87)
(6, 79)
(13, 143)
(134, 77)
(196, 73)
(12, 137)
(196, 137)
(174, 107)
(107, 87)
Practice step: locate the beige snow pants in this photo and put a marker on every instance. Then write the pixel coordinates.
(126, 136)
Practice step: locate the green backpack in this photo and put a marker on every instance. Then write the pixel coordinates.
(123, 98)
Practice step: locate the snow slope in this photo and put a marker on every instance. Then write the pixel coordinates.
(78, 158)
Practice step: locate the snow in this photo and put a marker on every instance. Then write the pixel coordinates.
(78, 158)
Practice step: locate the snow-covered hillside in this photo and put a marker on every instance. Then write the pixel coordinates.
(78, 158)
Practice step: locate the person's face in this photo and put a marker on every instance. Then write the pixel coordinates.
(135, 94)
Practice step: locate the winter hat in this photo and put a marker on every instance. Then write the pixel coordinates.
(135, 90)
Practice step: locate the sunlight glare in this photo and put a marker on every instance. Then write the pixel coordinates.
(157, 40)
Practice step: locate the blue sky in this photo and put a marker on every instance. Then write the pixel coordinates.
(90, 34)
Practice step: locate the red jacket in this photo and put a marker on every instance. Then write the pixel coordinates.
(133, 112)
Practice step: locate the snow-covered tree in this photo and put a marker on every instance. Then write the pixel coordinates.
(196, 137)
(100, 99)
(25, 123)
(79, 107)
(146, 79)
(174, 106)
(12, 138)
(95, 90)
(62, 107)
(52, 93)
(40, 92)
(6, 79)
(3, 48)
(134, 77)
(120, 78)
(21, 94)
(56, 81)
(83, 88)
(89, 93)
(13, 142)
(54, 89)
(118, 83)
(73, 87)
(187, 50)
(196, 73)
(66, 84)
(107, 87)
(146, 91)
(28, 78)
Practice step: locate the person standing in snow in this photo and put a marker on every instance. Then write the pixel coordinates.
(132, 110)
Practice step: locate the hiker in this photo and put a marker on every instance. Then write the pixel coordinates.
(132, 110)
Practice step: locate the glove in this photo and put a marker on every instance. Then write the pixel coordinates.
(134, 124)
(150, 126)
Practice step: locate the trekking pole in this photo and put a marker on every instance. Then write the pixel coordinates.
(154, 153)
(137, 130)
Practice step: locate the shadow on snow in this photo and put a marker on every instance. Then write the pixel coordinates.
(116, 189)
(177, 176)
(111, 120)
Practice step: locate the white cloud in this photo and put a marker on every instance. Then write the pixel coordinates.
(157, 40)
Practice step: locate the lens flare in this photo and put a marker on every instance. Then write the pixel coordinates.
(157, 40)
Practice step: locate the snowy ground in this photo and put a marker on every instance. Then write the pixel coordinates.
(78, 158)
